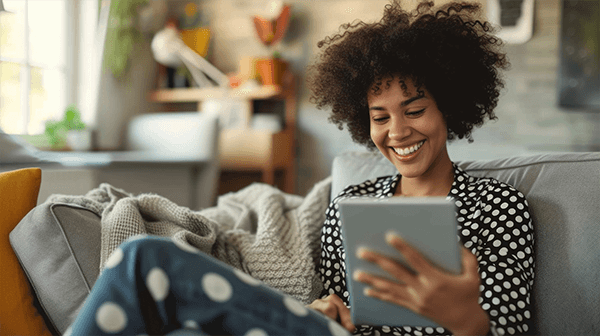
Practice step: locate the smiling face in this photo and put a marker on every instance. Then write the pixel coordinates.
(409, 130)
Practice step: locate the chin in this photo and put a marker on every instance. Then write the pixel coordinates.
(410, 172)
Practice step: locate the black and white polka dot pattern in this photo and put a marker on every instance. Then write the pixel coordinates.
(493, 223)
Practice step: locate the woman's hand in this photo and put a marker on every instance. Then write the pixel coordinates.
(333, 307)
(448, 299)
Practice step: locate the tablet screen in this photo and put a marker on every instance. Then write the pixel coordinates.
(427, 223)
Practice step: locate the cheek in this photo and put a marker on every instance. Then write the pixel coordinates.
(443, 129)
(438, 128)
(375, 134)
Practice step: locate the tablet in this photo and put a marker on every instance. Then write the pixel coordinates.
(427, 223)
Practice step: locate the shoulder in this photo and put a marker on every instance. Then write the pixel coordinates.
(494, 197)
(488, 188)
(499, 193)
(377, 187)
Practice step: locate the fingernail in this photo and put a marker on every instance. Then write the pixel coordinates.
(367, 291)
(390, 236)
(360, 252)
(412, 292)
(357, 274)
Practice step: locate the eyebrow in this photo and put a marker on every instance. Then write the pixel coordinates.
(410, 100)
(403, 104)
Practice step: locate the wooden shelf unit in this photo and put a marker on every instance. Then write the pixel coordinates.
(245, 148)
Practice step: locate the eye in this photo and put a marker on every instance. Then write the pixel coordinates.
(379, 119)
(415, 113)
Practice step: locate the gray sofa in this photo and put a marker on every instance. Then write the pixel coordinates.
(563, 191)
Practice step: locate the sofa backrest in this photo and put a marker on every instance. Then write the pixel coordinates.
(563, 191)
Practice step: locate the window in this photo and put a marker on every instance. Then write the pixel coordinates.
(36, 53)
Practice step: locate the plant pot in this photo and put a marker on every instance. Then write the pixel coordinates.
(271, 70)
(79, 140)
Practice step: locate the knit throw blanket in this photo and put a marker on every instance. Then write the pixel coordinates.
(271, 235)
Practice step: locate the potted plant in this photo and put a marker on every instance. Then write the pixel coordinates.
(271, 31)
(69, 133)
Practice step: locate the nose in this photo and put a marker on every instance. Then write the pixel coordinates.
(399, 129)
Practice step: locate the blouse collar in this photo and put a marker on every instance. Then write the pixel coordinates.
(458, 184)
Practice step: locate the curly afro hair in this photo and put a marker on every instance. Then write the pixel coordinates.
(446, 50)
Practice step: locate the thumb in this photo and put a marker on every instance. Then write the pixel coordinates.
(469, 261)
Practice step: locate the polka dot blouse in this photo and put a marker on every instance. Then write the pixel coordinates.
(493, 223)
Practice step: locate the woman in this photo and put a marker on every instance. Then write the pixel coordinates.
(405, 85)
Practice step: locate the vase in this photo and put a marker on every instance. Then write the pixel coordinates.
(79, 140)
(197, 39)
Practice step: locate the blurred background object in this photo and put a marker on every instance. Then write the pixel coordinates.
(152, 16)
(50, 63)
(579, 74)
(515, 18)
(122, 35)
(170, 50)
(34, 64)
(271, 27)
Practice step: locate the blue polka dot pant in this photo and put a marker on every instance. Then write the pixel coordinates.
(153, 285)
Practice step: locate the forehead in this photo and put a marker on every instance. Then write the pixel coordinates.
(392, 88)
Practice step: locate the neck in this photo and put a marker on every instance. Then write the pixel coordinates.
(436, 181)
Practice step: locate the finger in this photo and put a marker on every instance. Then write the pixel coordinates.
(376, 281)
(469, 262)
(346, 320)
(392, 298)
(343, 313)
(383, 285)
(413, 257)
(324, 308)
(391, 266)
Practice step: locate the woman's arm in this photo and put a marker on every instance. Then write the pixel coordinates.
(506, 261)
(332, 267)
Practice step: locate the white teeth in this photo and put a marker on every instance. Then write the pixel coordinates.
(409, 150)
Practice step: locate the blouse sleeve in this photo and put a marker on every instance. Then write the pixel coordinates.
(506, 263)
(332, 268)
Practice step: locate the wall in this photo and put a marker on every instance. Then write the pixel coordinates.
(529, 120)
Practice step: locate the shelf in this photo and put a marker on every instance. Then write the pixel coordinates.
(247, 149)
(198, 94)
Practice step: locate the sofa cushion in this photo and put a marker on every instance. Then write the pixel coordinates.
(58, 246)
(18, 195)
(563, 191)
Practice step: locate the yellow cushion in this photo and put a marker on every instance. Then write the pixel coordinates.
(18, 195)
